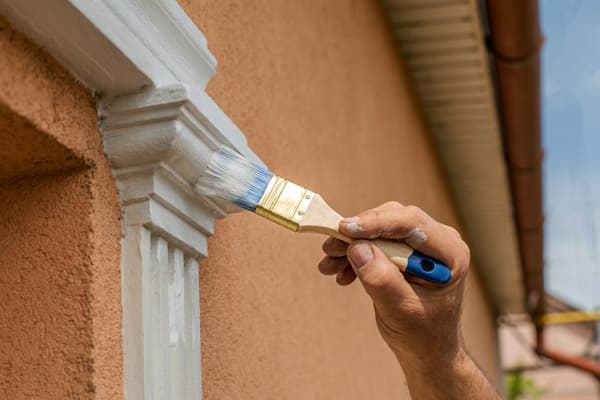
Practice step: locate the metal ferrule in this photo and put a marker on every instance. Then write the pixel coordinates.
(284, 202)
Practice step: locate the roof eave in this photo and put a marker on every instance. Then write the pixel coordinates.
(444, 48)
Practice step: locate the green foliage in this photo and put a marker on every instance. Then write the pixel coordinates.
(519, 387)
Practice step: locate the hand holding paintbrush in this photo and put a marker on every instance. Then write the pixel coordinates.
(233, 178)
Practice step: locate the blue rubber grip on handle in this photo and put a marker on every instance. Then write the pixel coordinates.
(428, 268)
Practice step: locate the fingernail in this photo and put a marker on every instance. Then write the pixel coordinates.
(360, 254)
(352, 225)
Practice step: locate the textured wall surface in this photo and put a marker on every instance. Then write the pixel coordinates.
(319, 91)
(60, 293)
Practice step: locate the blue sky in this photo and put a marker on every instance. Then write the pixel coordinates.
(571, 136)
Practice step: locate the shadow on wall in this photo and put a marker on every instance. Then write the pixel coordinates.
(25, 151)
(45, 329)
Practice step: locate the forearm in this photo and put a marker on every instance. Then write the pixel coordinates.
(457, 379)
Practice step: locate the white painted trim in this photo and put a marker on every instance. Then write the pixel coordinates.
(149, 65)
(118, 47)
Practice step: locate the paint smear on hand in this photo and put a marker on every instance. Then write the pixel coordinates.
(352, 224)
(353, 227)
(415, 238)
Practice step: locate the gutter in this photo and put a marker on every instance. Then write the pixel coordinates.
(516, 41)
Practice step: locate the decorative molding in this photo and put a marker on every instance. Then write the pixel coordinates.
(159, 142)
(148, 64)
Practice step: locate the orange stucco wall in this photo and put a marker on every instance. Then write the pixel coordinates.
(60, 331)
(318, 88)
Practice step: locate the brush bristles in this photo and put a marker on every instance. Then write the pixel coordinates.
(229, 176)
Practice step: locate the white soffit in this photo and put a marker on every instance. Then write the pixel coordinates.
(148, 65)
(443, 46)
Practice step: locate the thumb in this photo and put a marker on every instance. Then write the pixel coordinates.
(381, 279)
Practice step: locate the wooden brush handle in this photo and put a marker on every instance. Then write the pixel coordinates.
(321, 218)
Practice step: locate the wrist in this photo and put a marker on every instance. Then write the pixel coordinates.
(450, 361)
(411, 347)
(452, 378)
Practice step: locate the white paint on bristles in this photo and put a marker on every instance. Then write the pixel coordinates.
(230, 176)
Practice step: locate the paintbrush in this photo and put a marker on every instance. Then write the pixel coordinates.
(231, 177)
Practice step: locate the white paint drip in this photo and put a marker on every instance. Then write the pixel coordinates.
(415, 238)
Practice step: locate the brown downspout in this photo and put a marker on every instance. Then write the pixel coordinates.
(516, 41)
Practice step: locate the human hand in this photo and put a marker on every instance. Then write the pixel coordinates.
(418, 320)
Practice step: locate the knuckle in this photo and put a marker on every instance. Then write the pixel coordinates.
(376, 214)
(372, 223)
(453, 232)
(466, 251)
(414, 213)
(392, 204)
(465, 257)
(462, 259)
